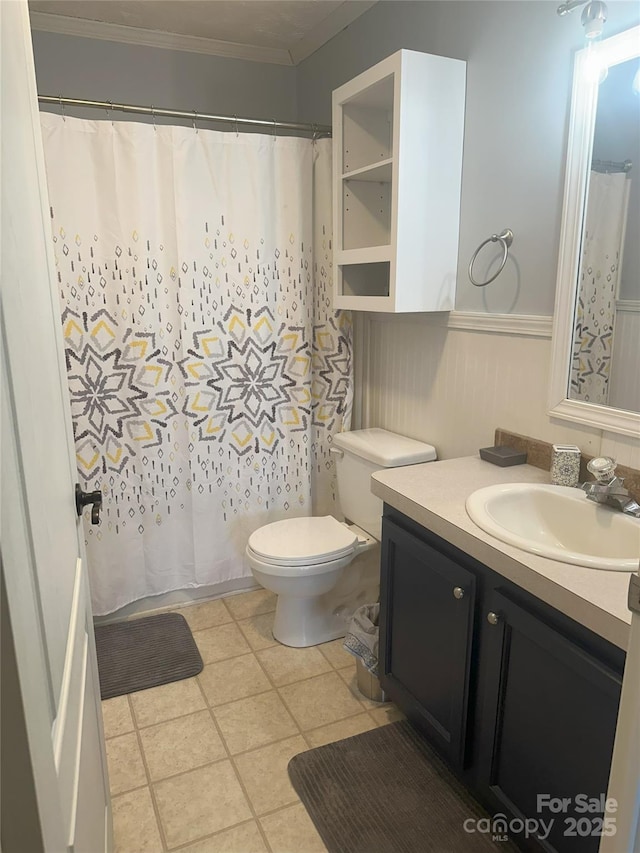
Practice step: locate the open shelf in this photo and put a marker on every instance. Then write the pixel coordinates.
(366, 216)
(365, 279)
(368, 255)
(395, 225)
(367, 126)
(381, 172)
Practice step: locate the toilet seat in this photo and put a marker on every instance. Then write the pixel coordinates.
(308, 571)
(301, 542)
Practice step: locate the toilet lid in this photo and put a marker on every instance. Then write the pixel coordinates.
(301, 541)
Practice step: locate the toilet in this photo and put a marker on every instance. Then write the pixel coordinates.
(323, 569)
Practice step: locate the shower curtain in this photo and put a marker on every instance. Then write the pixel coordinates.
(207, 370)
(603, 237)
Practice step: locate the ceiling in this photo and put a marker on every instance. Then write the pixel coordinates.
(281, 31)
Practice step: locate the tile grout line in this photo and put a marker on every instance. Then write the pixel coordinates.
(303, 732)
(138, 729)
(284, 702)
(250, 615)
(212, 708)
(333, 668)
(239, 623)
(235, 770)
(152, 794)
(346, 717)
(190, 770)
(172, 719)
(232, 758)
(129, 791)
(281, 698)
(118, 734)
(297, 680)
(211, 835)
(169, 719)
(271, 743)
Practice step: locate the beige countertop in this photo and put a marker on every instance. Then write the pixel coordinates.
(434, 495)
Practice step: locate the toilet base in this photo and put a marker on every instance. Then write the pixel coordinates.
(310, 621)
(302, 622)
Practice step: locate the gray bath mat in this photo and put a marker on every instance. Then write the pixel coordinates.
(145, 653)
(387, 791)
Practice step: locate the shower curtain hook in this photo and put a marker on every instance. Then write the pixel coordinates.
(275, 135)
(64, 118)
(314, 128)
(195, 116)
(153, 116)
(111, 105)
(236, 124)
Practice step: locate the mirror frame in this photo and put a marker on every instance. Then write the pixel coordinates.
(584, 102)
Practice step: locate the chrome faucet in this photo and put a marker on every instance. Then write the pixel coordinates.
(607, 488)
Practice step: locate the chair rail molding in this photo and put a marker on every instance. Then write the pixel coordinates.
(526, 325)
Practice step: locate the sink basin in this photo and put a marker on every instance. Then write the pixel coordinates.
(558, 522)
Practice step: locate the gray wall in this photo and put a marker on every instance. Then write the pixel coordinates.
(520, 57)
(105, 70)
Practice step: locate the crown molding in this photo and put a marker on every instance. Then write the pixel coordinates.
(334, 23)
(46, 22)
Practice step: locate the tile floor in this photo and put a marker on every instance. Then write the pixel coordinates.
(201, 765)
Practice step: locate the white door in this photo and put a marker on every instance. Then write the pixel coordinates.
(43, 557)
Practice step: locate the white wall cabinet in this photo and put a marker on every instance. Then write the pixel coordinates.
(397, 155)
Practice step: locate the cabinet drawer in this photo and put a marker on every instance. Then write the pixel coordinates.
(426, 627)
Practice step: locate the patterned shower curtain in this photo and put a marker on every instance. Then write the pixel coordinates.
(604, 229)
(207, 370)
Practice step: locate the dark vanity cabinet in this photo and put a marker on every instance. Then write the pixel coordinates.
(426, 634)
(550, 710)
(519, 698)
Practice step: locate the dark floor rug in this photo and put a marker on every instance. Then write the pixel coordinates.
(145, 653)
(387, 791)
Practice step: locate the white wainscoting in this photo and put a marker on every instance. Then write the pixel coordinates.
(624, 380)
(452, 383)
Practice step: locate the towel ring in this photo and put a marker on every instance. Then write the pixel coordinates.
(506, 238)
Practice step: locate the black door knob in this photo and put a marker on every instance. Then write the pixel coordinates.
(83, 499)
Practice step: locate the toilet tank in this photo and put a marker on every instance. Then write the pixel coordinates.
(360, 453)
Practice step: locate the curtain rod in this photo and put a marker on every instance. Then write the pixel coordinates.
(192, 115)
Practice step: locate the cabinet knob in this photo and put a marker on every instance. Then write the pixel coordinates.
(492, 618)
(458, 592)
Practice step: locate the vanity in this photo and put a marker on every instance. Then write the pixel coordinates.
(510, 663)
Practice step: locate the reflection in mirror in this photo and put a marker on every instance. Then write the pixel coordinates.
(598, 275)
(605, 353)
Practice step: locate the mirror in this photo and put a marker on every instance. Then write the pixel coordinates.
(596, 338)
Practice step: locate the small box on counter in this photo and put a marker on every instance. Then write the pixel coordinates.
(565, 465)
(503, 456)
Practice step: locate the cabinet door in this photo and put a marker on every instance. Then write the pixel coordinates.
(426, 627)
(548, 723)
